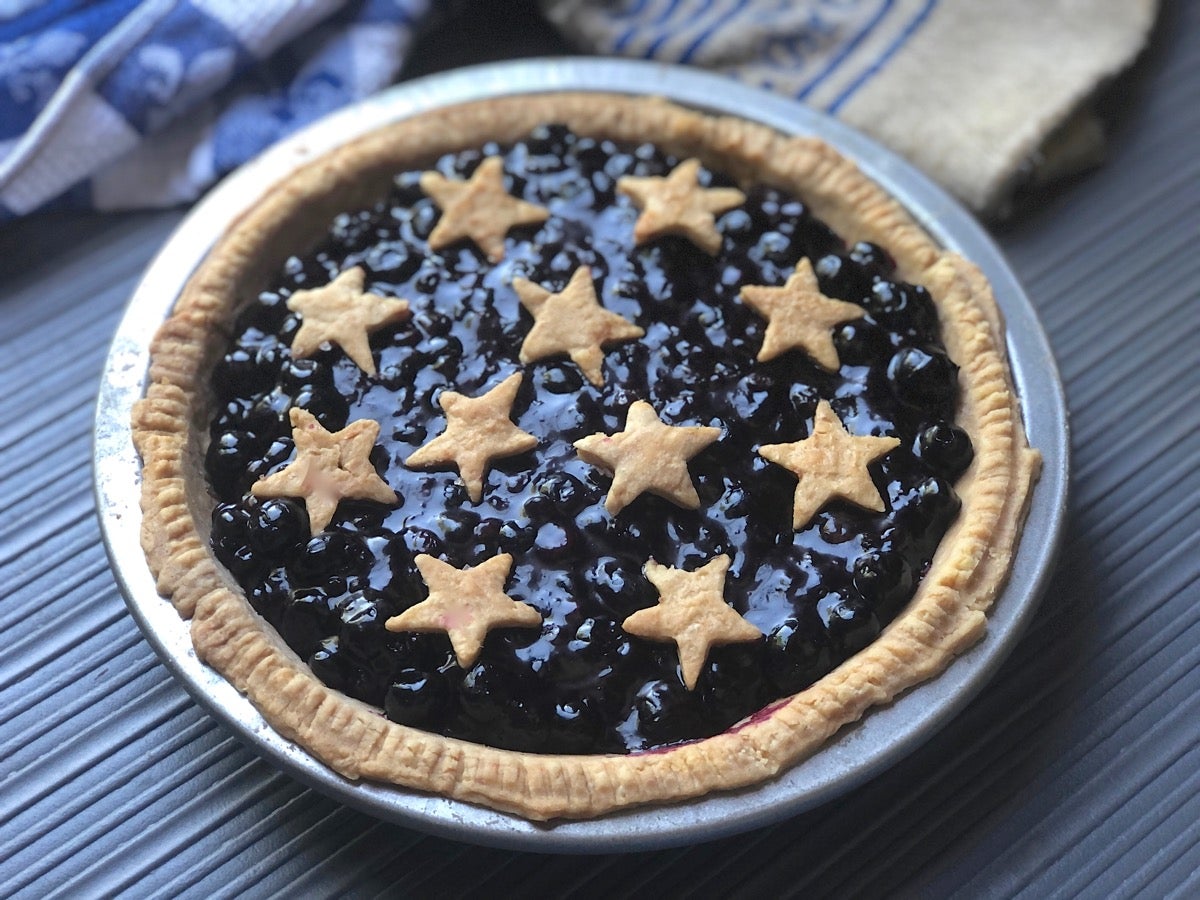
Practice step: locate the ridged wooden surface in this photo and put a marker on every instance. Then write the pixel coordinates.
(1076, 772)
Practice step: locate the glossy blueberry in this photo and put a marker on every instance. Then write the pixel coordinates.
(795, 655)
(841, 279)
(576, 726)
(229, 455)
(328, 663)
(946, 448)
(263, 315)
(923, 377)
(239, 373)
(850, 622)
(296, 374)
(307, 619)
(731, 682)
(330, 553)
(458, 526)
(860, 343)
(884, 579)
(665, 708)
(872, 258)
(936, 504)
(500, 709)
(278, 525)
(566, 492)
(325, 404)
(417, 697)
(906, 307)
(561, 380)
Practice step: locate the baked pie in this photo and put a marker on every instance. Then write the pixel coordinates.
(568, 452)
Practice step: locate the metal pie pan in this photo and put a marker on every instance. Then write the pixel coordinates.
(858, 752)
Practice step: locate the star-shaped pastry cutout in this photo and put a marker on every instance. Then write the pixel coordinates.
(830, 463)
(329, 467)
(571, 322)
(480, 208)
(648, 456)
(692, 612)
(478, 430)
(678, 205)
(341, 313)
(799, 316)
(466, 604)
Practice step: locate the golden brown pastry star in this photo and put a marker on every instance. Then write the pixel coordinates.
(480, 208)
(799, 316)
(678, 205)
(478, 430)
(466, 604)
(329, 467)
(692, 612)
(342, 314)
(648, 456)
(830, 463)
(571, 322)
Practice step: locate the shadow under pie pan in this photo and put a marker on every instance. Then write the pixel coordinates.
(857, 751)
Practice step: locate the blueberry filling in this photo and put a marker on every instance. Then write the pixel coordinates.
(580, 684)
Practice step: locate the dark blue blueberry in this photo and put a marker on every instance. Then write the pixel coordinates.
(884, 579)
(935, 503)
(325, 404)
(850, 622)
(500, 708)
(566, 492)
(731, 684)
(561, 379)
(842, 279)
(433, 323)
(548, 140)
(417, 698)
(271, 356)
(872, 258)
(309, 617)
(232, 540)
(297, 374)
(923, 377)
(796, 655)
(904, 307)
(666, 709)
(860, 343)
(279, 525)
(776, 248)
(946, 448)
(516, 539)
(238, 373)
(575, 726)
(269, 596)
(328, 663)
(458, 526)
(330, 553)
(229, 457)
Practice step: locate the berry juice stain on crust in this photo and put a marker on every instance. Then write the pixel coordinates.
(579, 683)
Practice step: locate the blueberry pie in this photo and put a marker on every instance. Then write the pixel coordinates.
(571, 452)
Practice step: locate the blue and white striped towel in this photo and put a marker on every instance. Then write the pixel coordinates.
(133, 103)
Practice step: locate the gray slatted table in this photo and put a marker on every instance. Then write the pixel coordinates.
(1077, 772)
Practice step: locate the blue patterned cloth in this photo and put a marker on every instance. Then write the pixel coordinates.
(132, 103)
(819, 51)
(116, 104)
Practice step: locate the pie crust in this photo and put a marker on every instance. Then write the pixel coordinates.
(947, 614)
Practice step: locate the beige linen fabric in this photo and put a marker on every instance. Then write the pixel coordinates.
(983, 95)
